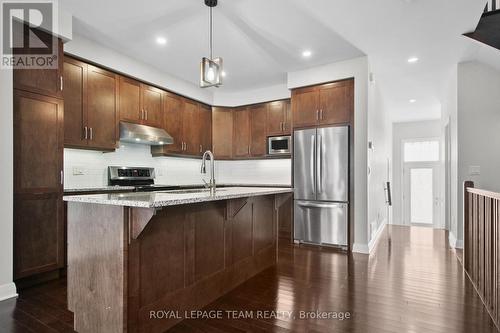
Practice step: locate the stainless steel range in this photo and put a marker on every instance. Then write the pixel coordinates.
(143, 179)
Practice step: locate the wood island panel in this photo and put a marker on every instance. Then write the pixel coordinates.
(180, 259)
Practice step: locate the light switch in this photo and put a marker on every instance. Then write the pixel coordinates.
(474, 170)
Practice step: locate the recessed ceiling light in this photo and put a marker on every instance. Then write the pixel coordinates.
(306, 53)
(161, 142)
(413, 100)
(223, 74)
(161, 40)
(412, 60)
(137, 139)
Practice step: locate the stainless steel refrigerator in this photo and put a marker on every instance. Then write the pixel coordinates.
(321, 183)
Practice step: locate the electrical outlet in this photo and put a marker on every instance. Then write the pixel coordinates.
(78, 171)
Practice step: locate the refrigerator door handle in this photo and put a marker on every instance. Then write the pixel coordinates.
(319, 167)
(319, 205)
(313, 157)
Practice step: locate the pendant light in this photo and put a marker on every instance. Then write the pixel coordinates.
(210, 68)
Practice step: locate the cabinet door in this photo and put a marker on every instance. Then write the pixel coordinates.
(151, 104)
(275, 118)
(101, 110)
(47, 82)
(241, 132)
(75, 102)
(172, 106)
(38, 143)
(205, 128)
(130, 100)
(38, 233)
(222, 132)
(305, 107)
(335, 102)
(258, 121)
(287, 126)
(190, 128)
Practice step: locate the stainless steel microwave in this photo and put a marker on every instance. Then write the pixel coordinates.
(277, 145)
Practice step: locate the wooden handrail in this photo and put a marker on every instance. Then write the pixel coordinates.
(481, 216)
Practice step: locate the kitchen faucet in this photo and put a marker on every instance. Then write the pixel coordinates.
(210, 185)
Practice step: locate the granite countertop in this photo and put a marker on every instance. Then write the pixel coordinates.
(100, 189)
(131, 188)
(172, 198)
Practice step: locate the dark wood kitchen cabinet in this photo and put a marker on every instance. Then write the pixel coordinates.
(38, 183)
(172, 123)
(258, 127)
(205, 117)
(130, 100)
(140, 103)
(241, 132)
(91, 100)
(191, 128)
(278, 118)
(222, 132)
(151, 106)
(48, 82)
(326, 104)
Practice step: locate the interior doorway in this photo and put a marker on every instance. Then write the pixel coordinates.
(421, 199)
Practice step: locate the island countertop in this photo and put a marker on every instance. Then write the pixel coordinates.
(175, 197)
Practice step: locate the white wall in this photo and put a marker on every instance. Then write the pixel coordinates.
(169, 170)
(357, 68)
(478, 128)
(236, 98)
(102, 55)
(379, 133)
(400, 132)
(7, 287)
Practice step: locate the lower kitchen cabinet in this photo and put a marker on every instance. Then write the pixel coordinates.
(38, 234)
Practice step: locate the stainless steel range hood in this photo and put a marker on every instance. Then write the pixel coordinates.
(143, 134)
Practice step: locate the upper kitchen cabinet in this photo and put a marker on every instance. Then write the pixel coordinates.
(305, 106)
(172, 122)
(205, 128)
(326, 104)
(130, 100)
(222, 132)
(336, 102)
(151, 106)
(91, 99)
(48, 82)
(102, 100)
(278, 118)
(191, 128)
(258, 122)
(241, 132)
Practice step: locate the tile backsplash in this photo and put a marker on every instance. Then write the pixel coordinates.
(84, 168)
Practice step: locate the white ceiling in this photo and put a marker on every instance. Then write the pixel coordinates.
(262, 40)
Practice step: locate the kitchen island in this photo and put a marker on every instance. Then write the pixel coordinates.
(131, 255)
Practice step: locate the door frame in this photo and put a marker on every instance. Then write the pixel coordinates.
(405, 191)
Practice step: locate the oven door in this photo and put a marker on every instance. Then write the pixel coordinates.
(277, 145)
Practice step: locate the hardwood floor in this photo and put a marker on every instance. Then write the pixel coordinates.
(412, 282)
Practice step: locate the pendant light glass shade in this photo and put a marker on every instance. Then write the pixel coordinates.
(210, 72)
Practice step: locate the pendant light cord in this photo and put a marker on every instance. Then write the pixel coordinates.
(211, 34)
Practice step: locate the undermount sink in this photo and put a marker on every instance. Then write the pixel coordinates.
(194, 190)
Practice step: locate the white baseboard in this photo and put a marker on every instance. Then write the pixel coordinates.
(360, 248)
(7, 291)
(454, 242)
(375, 238)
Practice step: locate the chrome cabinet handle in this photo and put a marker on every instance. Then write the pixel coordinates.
(62, 177)
(201, 149)
(91, 133)
(321, 114)
(317, 114)
(86, 129)
(62, 82)
(146, 113)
